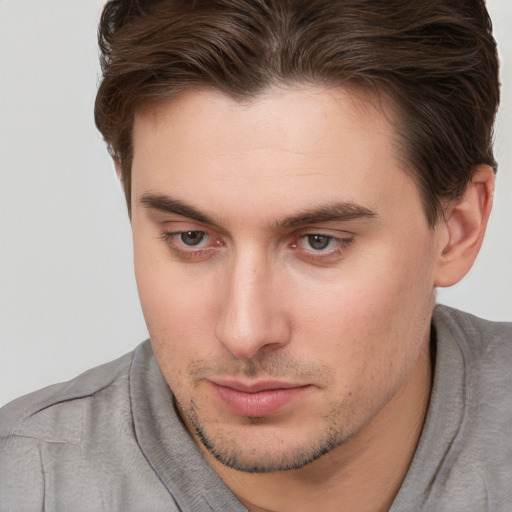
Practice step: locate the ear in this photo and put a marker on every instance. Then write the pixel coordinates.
(463, 226)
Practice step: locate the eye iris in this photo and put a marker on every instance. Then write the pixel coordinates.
(318, 242)
(192, 237)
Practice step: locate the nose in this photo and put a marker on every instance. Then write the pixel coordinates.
(253, 316)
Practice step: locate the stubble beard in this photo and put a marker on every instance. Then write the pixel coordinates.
(263, 444)
(259, 459)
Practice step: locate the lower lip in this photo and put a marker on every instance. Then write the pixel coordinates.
(259, 404)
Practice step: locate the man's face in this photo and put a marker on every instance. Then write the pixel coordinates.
(285, 268)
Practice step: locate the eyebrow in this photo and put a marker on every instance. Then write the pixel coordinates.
(166, 204)
(333, 211)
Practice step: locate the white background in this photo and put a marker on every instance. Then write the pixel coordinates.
(68, 299)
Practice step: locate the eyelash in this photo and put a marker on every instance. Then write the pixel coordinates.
(197, 253)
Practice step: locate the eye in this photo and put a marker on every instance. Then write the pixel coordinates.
(321, 248)
(193, 238)
(318, 242)
(192, 244)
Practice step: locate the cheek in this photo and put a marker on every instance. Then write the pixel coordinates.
(178, 306)
(373, 316)
(178, 320)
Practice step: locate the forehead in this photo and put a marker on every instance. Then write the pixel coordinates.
(288, 147)
(289, 117)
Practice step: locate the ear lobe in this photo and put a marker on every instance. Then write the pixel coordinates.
(465, 222)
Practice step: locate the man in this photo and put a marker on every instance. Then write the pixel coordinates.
(300, 177)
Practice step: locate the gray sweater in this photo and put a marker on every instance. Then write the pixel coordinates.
(110, 440)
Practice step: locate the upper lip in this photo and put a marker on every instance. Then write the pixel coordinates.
(255, 387)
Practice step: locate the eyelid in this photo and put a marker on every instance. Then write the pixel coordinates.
(325, 230)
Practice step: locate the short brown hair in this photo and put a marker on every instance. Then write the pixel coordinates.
(435, 59)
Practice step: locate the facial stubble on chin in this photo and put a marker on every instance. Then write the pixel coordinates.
(258, 459)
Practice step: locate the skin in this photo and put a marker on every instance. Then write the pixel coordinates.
(250, 294)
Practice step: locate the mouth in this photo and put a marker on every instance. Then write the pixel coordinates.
(257, 399)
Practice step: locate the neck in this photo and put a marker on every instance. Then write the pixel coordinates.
(364, 473)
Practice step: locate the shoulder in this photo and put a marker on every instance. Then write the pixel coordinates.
(482, 341)
(485, 348)
(30, 415)
(74, 446)
(52, 424)
(482, 448)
